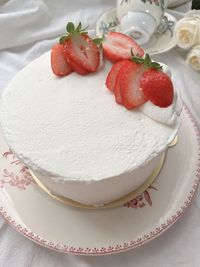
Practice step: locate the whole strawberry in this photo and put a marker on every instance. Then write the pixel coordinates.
(157, 87)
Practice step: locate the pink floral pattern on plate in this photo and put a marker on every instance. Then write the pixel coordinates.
(21, 179)
(141, 200)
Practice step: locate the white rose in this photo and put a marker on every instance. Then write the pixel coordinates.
(187, 30)
(193, 58)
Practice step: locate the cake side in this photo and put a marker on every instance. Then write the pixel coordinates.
(103, 191)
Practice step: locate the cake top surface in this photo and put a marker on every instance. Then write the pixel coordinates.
(71, 127)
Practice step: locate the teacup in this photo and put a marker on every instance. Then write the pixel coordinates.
(139, 25)
(140, 18)
(153, 7)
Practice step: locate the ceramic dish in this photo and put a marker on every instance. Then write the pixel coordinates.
(162, 43)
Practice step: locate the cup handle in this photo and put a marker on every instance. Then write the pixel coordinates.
(162, 28)
(165, 26)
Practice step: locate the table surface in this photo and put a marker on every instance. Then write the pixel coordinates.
(29, 29)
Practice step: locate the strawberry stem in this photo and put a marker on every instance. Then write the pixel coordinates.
(147, 61)
(71, 29)
(98, 41)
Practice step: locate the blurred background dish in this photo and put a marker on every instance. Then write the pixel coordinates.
(155, 8)
(162, 43)
(139, 25)
(177, 3)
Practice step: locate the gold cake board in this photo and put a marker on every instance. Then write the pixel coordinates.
(112, 204)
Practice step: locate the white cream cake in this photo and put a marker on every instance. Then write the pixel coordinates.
(75, 138)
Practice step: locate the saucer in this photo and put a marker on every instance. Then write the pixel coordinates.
(161, 43)
(57, 226)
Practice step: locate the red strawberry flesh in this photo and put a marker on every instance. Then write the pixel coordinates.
(58, 63)
(76, 67)
(81, 49)
(112, 75)
(117, 46)
(119, 79)
(131, 91)
(157, 87)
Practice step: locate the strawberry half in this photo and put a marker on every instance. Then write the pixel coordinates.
(112, 75)
(131, 91)
(117, 46)
(157, 87)
(80, 50)
(58, 63)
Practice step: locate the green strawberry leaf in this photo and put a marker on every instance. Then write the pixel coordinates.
(63, 39)
(98, 41)
(82, 30)
(137, 59)
(147, 61)
(70, 27)
(78, 28)
(155, 65)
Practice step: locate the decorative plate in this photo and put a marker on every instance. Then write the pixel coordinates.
(96, 232)
(163, 42)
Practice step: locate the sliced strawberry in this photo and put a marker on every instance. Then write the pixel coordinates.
(131, 91)
(157, 87)
(118, 86)
(117, 46)
(76, 67)
(58, 64)
(119, 79)
(81, 50)
(112, 75)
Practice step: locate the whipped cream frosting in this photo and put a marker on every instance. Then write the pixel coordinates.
(71, 128)
(163, 115)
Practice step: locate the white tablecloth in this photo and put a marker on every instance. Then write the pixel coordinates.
(28, 29)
